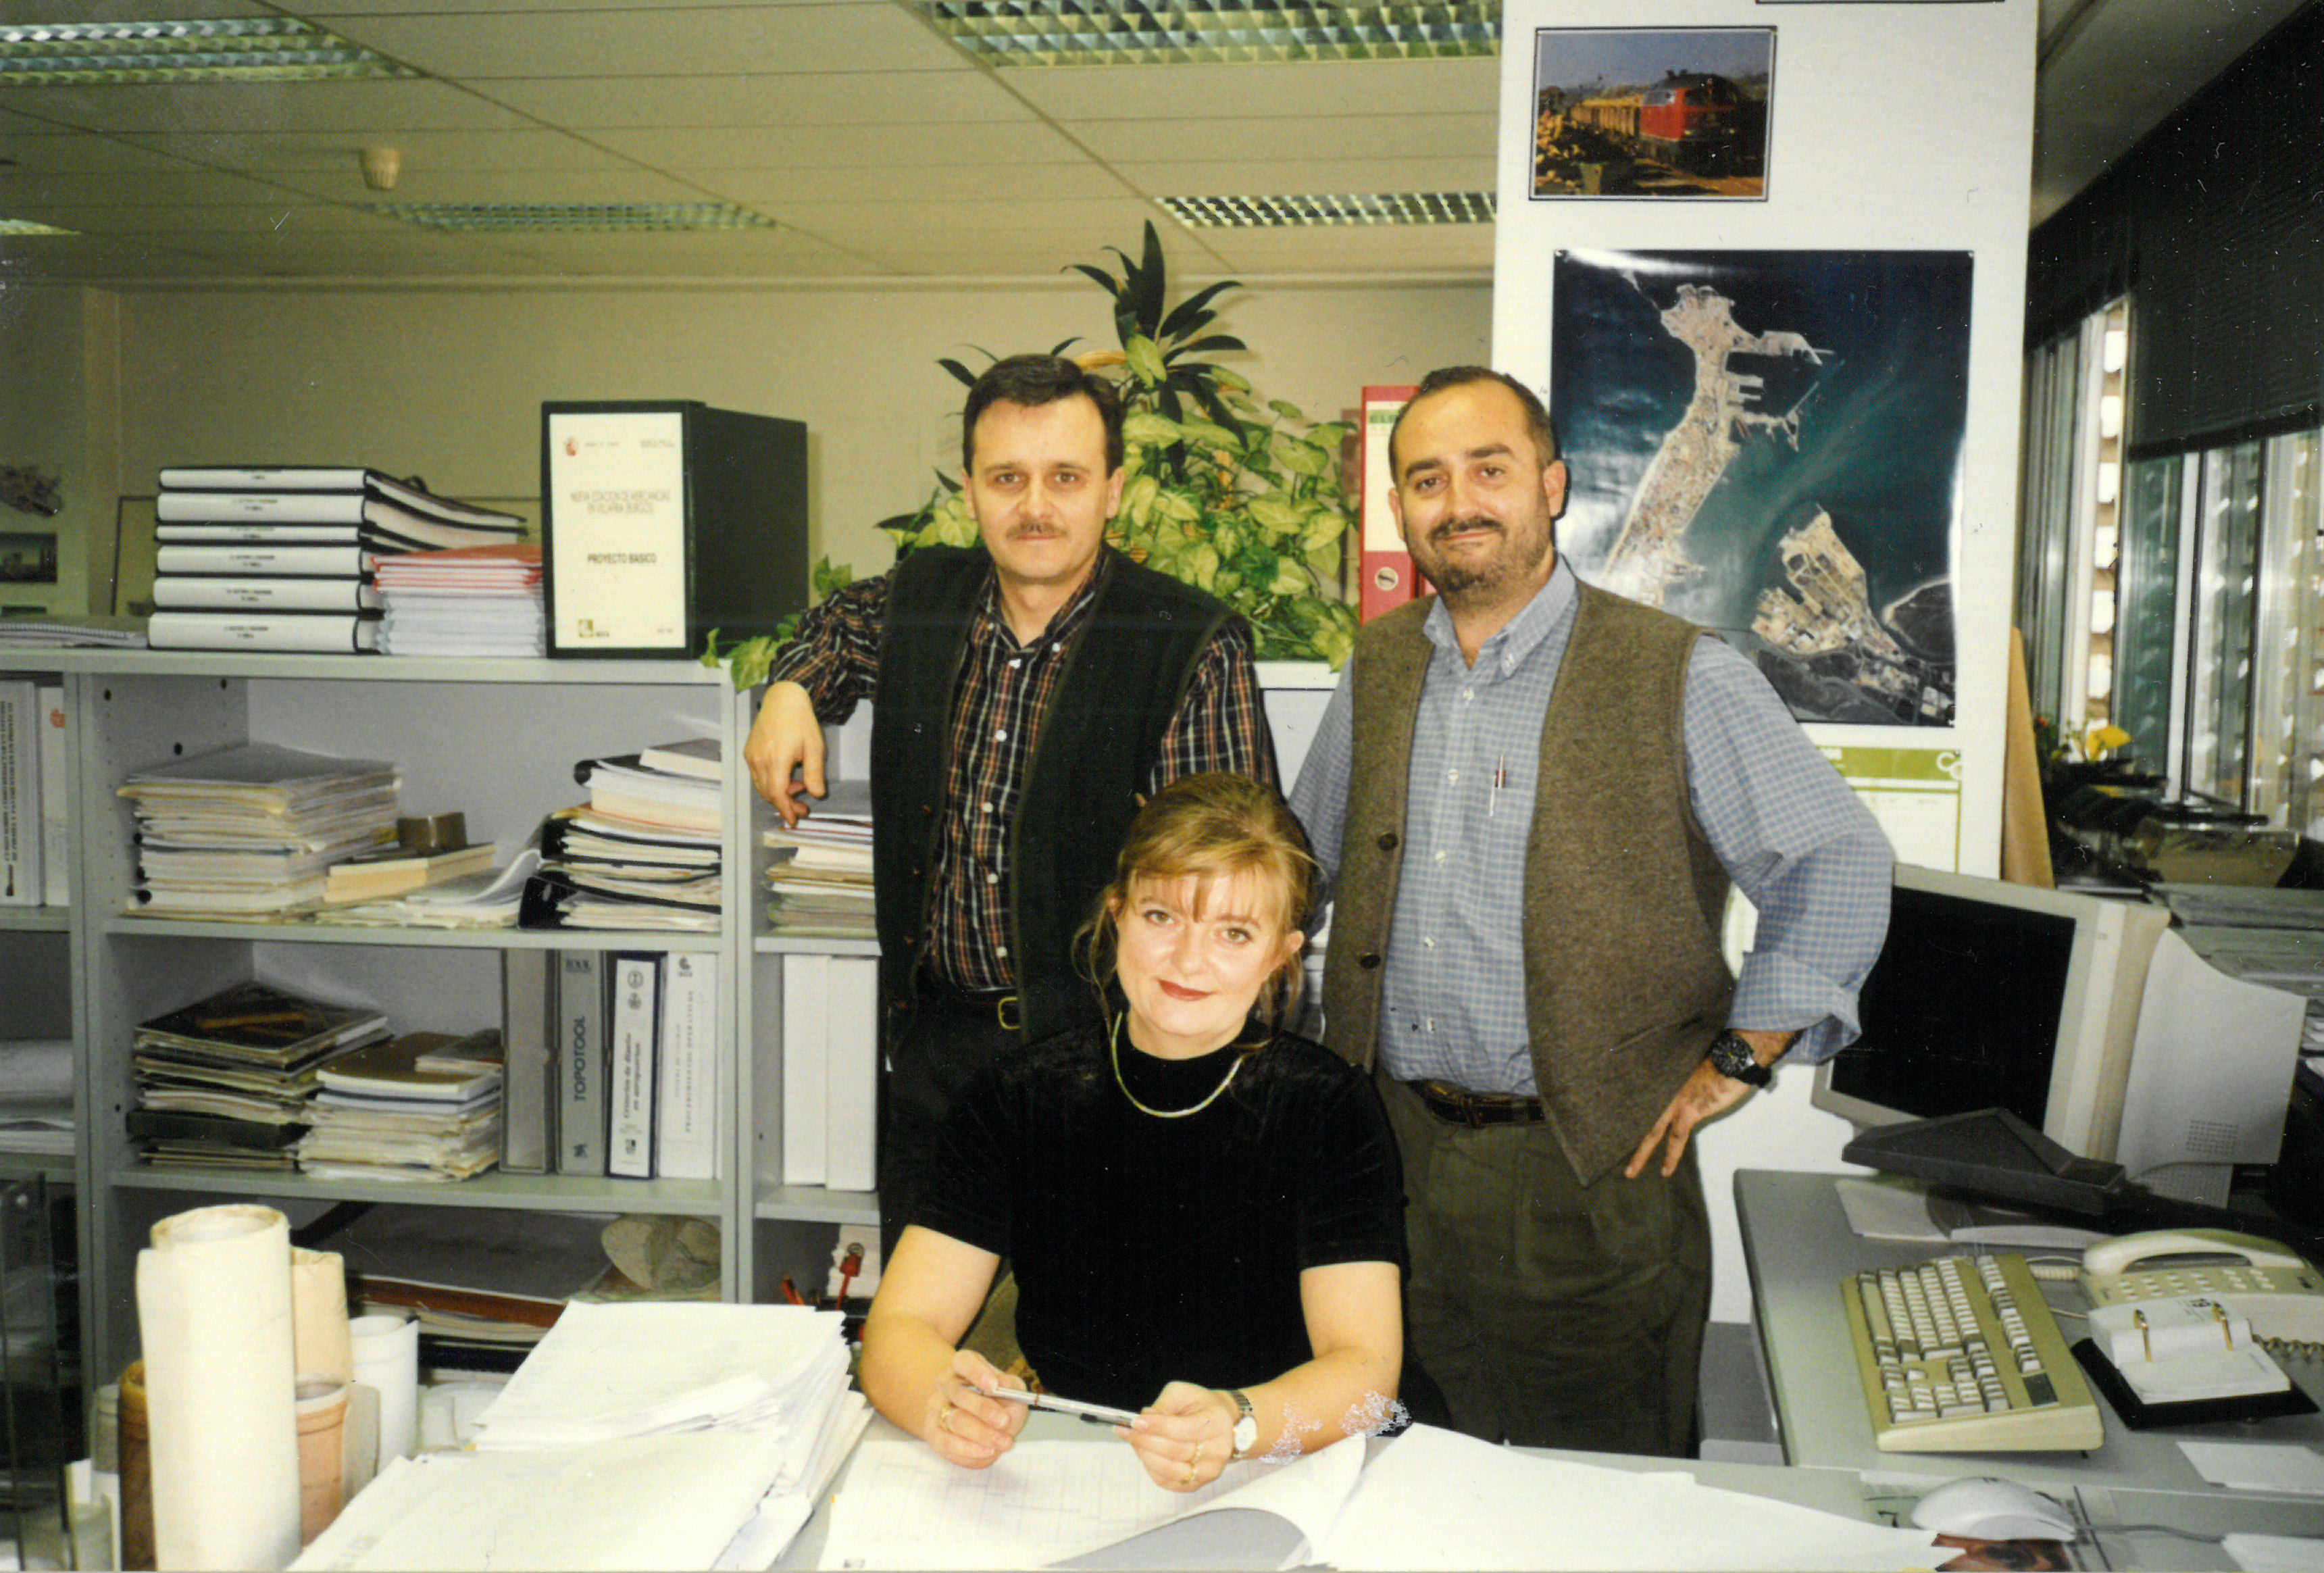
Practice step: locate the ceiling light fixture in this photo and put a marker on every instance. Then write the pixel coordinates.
(569, 216)
(271, 49)
(1300, 212)
(31, 226)
(1148, 32)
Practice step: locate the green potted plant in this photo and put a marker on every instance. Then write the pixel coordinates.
(1237, 497)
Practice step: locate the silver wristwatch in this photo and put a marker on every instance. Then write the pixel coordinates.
(1246, 1428)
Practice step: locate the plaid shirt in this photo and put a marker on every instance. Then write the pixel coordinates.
(1003, 694)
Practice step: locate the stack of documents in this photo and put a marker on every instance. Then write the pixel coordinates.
(633, 1436)
(36, 1095)
(819, 874)
(282, 558)
(250, 831)
(645, 852)
(54, 631)
(226, 1082)
(420, 1107)
(487, 900)
(477, 600)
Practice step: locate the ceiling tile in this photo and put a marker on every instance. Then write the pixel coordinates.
(32, 13)
(912, 183)
(324, 152)
(820, 98)
(709, 40)
(1202, 92)
(1114, 221)
(1001, 143)
(1465, 248)
(328, 106)
(66, 152)
(1286, 177)
(426, 185)
(290, 216)
(1342, 135)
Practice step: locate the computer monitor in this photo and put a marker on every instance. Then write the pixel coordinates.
(1992, 995)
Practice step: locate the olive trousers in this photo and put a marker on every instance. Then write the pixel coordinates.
(1552, 1314)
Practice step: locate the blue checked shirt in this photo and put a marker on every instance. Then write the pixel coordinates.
(1792, 835)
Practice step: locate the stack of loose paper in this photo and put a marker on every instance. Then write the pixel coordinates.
(53, 630)
(478, 600)
(36, 1102)
(633, 1436)
(410, 1108)
(486, 900)
(250, 831)
(644, 852)
(226, 1082)
(819, 873)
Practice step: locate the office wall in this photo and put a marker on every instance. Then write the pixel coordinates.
(58, 383)
(447, 383)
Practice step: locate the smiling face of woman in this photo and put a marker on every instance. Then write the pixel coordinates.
(1192, 955)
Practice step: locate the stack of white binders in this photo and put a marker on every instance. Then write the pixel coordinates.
(283, 557)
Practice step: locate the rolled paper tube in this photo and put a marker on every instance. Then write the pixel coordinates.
(322, 1411)
(359, 1459)
(387, 1359)
(136, 1473)
(214, 1313)
(318, 1315)
(105, 1427)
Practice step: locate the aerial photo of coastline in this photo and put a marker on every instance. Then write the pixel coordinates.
(1652, 112)
(1769, 443)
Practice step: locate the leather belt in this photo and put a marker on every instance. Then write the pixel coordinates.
(997, 1005)
(1457, 1105)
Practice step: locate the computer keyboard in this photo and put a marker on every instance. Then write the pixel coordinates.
(1960, 1355)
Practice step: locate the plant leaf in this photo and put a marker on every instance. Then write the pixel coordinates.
(1182, 317)
(1146, 426)
(1145, 360)
(1215, 341)
(1105, 281)
(1298, 457)
(966, 377)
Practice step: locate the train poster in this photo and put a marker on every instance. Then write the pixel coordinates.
(1770, 443)
(1652, 112)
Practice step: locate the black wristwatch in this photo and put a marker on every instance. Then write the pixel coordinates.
(1732, 1058)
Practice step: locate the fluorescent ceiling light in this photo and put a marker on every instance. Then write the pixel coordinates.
(1299, 212)
(597, 216)
(274, 49)
(31, 226)
(1147, 32)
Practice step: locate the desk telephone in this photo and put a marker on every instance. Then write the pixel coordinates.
(2280, 1294)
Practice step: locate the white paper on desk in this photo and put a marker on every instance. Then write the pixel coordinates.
(1435, 1499)
(769, 1533)
(636, 1503)
(2258, 1466)
(906, 1507)
(636, 1368)
(2273, 1553)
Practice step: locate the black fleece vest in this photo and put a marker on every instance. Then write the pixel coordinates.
(1094, 753)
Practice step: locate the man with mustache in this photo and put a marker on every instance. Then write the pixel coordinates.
(1532, 797)
(1030, 692)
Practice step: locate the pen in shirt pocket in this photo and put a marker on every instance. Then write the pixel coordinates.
(1501, 779)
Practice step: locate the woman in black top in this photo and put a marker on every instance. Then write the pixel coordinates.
(1202, 1211)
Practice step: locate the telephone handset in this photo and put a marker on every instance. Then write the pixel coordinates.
(2280, 1294)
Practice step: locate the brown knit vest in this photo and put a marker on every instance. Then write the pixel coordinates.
(1625, 982)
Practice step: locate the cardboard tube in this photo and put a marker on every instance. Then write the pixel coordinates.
(322, 1411)
(318, 1315)
(136, 1473)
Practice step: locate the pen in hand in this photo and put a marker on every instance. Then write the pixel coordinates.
(1096, 1414)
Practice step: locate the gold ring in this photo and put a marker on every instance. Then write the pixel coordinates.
(943, 1421)
(1195, 1459)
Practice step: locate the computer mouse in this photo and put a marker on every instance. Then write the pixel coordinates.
(1985, 1509)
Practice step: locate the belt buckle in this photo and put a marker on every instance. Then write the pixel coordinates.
(1007, 1006)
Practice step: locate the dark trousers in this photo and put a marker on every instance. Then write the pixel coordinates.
(942, 1045)
(1551, 1313)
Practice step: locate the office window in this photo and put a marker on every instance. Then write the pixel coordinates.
(2285, 759)
(2149, 625)
(2069, 533)
(2227, 603)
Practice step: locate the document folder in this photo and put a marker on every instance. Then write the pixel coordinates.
(662, 520)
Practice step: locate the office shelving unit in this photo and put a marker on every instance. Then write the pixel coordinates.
(494, 740)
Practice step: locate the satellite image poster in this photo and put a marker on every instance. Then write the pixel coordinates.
(1769, 443)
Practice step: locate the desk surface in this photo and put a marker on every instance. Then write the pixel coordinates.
(1799, 1247)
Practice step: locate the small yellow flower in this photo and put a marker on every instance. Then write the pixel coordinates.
(2103, 741)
